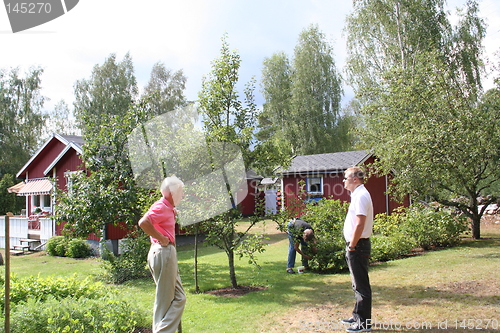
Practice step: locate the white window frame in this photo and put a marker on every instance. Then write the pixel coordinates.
(41, 200)
(309, 183)
(69, 180)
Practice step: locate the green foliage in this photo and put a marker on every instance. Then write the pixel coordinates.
(394, 236)
(167, 88)
(386, 34)
(422, 109)
(249, 246)
(9, 202)
(390, 240)
(109, 92)
(68, 304)
(430, 228)
(61, 246)
(131, 264)
(226, 118)
(56, 246)
(78, 248)
(397, 234)
(109, 194)
(327, 219)
(106, 314)
(21, 117)
(394, 246)
(220, 231)
(302, 112)
(40, 289)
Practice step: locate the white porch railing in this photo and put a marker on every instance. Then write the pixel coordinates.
(19, 229)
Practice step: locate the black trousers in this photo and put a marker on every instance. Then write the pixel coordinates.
(358, 267)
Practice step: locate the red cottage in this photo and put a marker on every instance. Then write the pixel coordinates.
(247, 204)
(52, 165)
(322, 175)
(53, 162)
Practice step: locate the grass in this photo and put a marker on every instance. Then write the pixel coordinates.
(437, 288)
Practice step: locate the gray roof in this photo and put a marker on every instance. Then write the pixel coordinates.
(326, 162)
(250, 174)
(78, 140)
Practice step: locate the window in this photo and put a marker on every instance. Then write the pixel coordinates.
(42, 201)
(70, 178)
(36, 201)
(45, 200)
(314, 184)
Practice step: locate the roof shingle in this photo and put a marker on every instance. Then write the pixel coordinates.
(326, 162)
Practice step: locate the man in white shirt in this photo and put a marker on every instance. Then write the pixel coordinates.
(358, 228)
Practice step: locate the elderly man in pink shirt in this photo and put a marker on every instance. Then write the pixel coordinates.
(159, 224)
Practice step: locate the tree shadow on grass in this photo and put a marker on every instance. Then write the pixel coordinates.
(276, 286)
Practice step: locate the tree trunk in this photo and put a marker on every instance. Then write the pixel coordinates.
(476, 226)
(475, 217)
(232, 273)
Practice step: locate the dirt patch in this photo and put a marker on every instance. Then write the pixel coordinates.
(235, 292)
(464, 287)
(472, 287)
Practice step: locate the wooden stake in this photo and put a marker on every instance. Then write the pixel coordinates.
(7, 272)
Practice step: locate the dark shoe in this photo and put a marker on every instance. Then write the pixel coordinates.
(348, 321)
(290, 270)
(356, 327)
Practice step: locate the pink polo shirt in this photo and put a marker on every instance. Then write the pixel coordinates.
(162, 216)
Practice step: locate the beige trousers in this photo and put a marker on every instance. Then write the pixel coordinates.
(170, 298)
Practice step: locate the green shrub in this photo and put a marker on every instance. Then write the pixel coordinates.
(327, 218)
(56, 246)
(131, 264)
(41, 289)
(385, 248)
(65, 304)
(389, 241)
(106, 314)
(394, 235)
(78, 248)
(387, 225)
(61, 246)
(430, 228)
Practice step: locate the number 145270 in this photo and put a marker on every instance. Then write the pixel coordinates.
(29, 7)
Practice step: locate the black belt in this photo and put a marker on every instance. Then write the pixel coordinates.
(360, 240)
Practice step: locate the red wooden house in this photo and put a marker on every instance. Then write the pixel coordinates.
(322, 176)
(52, 165)
(247, 204)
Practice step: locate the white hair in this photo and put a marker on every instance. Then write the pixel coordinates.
(171, 184)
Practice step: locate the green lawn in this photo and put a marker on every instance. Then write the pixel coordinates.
(437, 288)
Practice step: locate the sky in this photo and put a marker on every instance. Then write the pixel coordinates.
(182, 34)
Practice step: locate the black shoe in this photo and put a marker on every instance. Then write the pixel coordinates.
(356, 327)
(348, 321)
(290, 270)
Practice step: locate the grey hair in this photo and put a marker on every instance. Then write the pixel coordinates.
(357, 172)
(171, 184)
